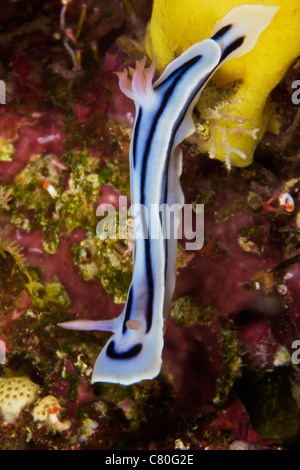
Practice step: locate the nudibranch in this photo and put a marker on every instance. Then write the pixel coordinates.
(240, 114)
(163, 119)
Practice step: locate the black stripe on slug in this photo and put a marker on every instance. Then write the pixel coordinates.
(128, 310)
(232, 47)
(135, 137)
(150, 285)
(132, 352)
(180, 69)
(221, 32)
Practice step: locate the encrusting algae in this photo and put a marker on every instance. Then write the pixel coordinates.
(243, 111)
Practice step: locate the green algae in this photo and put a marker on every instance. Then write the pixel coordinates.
(58, 212)
(11, 247)
(42, 294)
(6, 151)
(188, 311)
(72, 205)
(105, 260)
(73, 384)
(269, 402)
(147, 408)
(232, 364)
(29, 312)
(11, 284)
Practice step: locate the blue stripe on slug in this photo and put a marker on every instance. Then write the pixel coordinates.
(163, 120)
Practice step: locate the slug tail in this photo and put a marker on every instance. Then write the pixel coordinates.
(89, 325)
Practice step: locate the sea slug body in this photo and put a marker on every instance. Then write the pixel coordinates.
(163, 119)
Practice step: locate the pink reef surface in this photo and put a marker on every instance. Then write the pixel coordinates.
(228, 380)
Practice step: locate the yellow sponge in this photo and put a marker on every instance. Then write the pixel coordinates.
(239, 122)
(15, 394)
